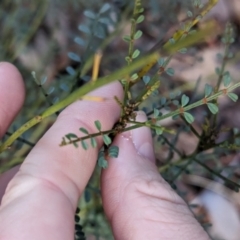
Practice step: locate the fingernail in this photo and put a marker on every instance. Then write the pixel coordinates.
(142, 138)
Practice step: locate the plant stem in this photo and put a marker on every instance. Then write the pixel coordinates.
(75, 96)
(216, 173)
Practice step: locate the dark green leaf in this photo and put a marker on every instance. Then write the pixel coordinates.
(188, 117)
(87, 195)
(189, 14)
(71, 135)
(172, 95)
(156, 112)
(134, 76)
(50, 90)
(161, 62)
(74, 57)
(138, 34)
(93, 142)
(98, 125)
(175, 102)
(90, 14)
(84, 29)
(218, 71)
(84, 130)
(183, 50)
(75, 144)
(105, 8)
(233, 96)
(79, 41)
(226, 80)
(140, 19)
(213, 108)
(208, 90)
(102, 162)
(159, 131)
(135, 54)
(172, 41)
(70, 70)
(184, 100)
(113, 151)
(126, 38)
(146, 79)
(175, 117)
(43, 80)
(170, 71)
(84, 145)
(163, 101)
(107, 140)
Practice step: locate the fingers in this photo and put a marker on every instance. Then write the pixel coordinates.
(5, 179)
(52, 178)
(12, 94)
(137, 200)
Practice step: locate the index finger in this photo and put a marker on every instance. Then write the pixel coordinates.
(12, 93)
(52, 178)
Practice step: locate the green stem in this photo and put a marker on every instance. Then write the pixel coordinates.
(93, 135)
(216, 173)
(192, 128)
(172, 146)
(75, 96)
(131, 48)
(176, 112)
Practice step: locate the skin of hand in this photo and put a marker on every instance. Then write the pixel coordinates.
(41, 199)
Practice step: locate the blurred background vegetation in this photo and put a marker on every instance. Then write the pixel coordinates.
(50, 41)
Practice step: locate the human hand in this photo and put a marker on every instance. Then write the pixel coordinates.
(41, 199)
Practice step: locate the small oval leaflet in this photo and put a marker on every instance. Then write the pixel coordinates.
(170, 71)
(79, 41)
(98, 125)
(126, 38)
(183, 50)
(84, 29)
(84, 130)
(93, 142)
(140, 19)
(146, 79)
(107, 140)
(188, 117)
(156, 112)
(189, 14)
(113, 151)
(64, 87)
(161, 62)
(50, 90)
(184, 100)
(233, 96)
(138, 34)
(90, 14)
(74, 56)
(43, 80)
(87, 195)
(208, 90)
(84, 145)
(104, 20)
(226, 80)
(70, 70)
(213, 108)
(136, 53)
(71, 135)
(105, 8)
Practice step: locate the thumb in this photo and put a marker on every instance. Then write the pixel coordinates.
(139, 203)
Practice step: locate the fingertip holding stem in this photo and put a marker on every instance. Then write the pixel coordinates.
(142, 138)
